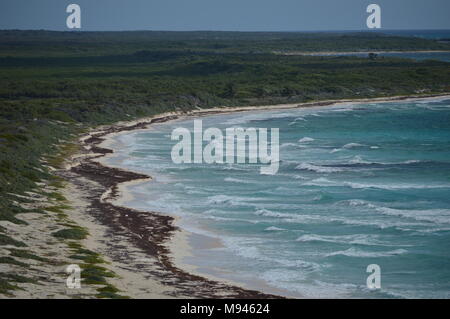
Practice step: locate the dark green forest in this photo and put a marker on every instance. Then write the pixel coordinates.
(72, 43)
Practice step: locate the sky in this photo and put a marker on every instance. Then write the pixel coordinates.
(225, 15)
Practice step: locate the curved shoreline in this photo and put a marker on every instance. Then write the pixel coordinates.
(147, 231)
(152, 231)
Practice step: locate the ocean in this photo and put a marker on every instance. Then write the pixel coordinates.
(358, 184)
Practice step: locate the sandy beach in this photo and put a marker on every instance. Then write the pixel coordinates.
(135, 243)
(146, 249)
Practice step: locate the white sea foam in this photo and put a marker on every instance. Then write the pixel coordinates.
(269, 213)
(299, 177)
(285, 145)
(284, 278)
(274, 228)
(297, 281)
(385, 224)
(356, 239)
(353, 252)
(326, 182)
(358, 160)
(318, 169)
(322, 181)
(412, 162)
(298, 119)
(437, 216)
(257, 116)
(433, 230)
(233, 168)
(305, 140)
(352, 145)
(322, 219)
(356, 202)
(228, 219)
(321, 289)
(253, 248)
(238, 180)
(227, 200)
(398, 186)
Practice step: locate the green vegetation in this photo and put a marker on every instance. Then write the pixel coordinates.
(92, 273)
(25, 254)
(5, 240)
(6, 286)
(55, 85)
(52, 44)
(12, 261)
(59, 210)
(86, 255)
(71, 233)
(19, 278)
(110, 292)
(91, 262)
(6, 280)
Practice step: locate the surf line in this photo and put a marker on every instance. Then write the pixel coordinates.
(216, 150)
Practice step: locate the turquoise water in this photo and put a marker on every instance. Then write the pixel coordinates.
(357, 185)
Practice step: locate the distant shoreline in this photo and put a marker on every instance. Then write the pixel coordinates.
(156, 234)
(325, 53)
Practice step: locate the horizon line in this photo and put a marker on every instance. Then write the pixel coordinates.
(237, 31)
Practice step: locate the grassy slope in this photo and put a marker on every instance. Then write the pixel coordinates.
(56, 84)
